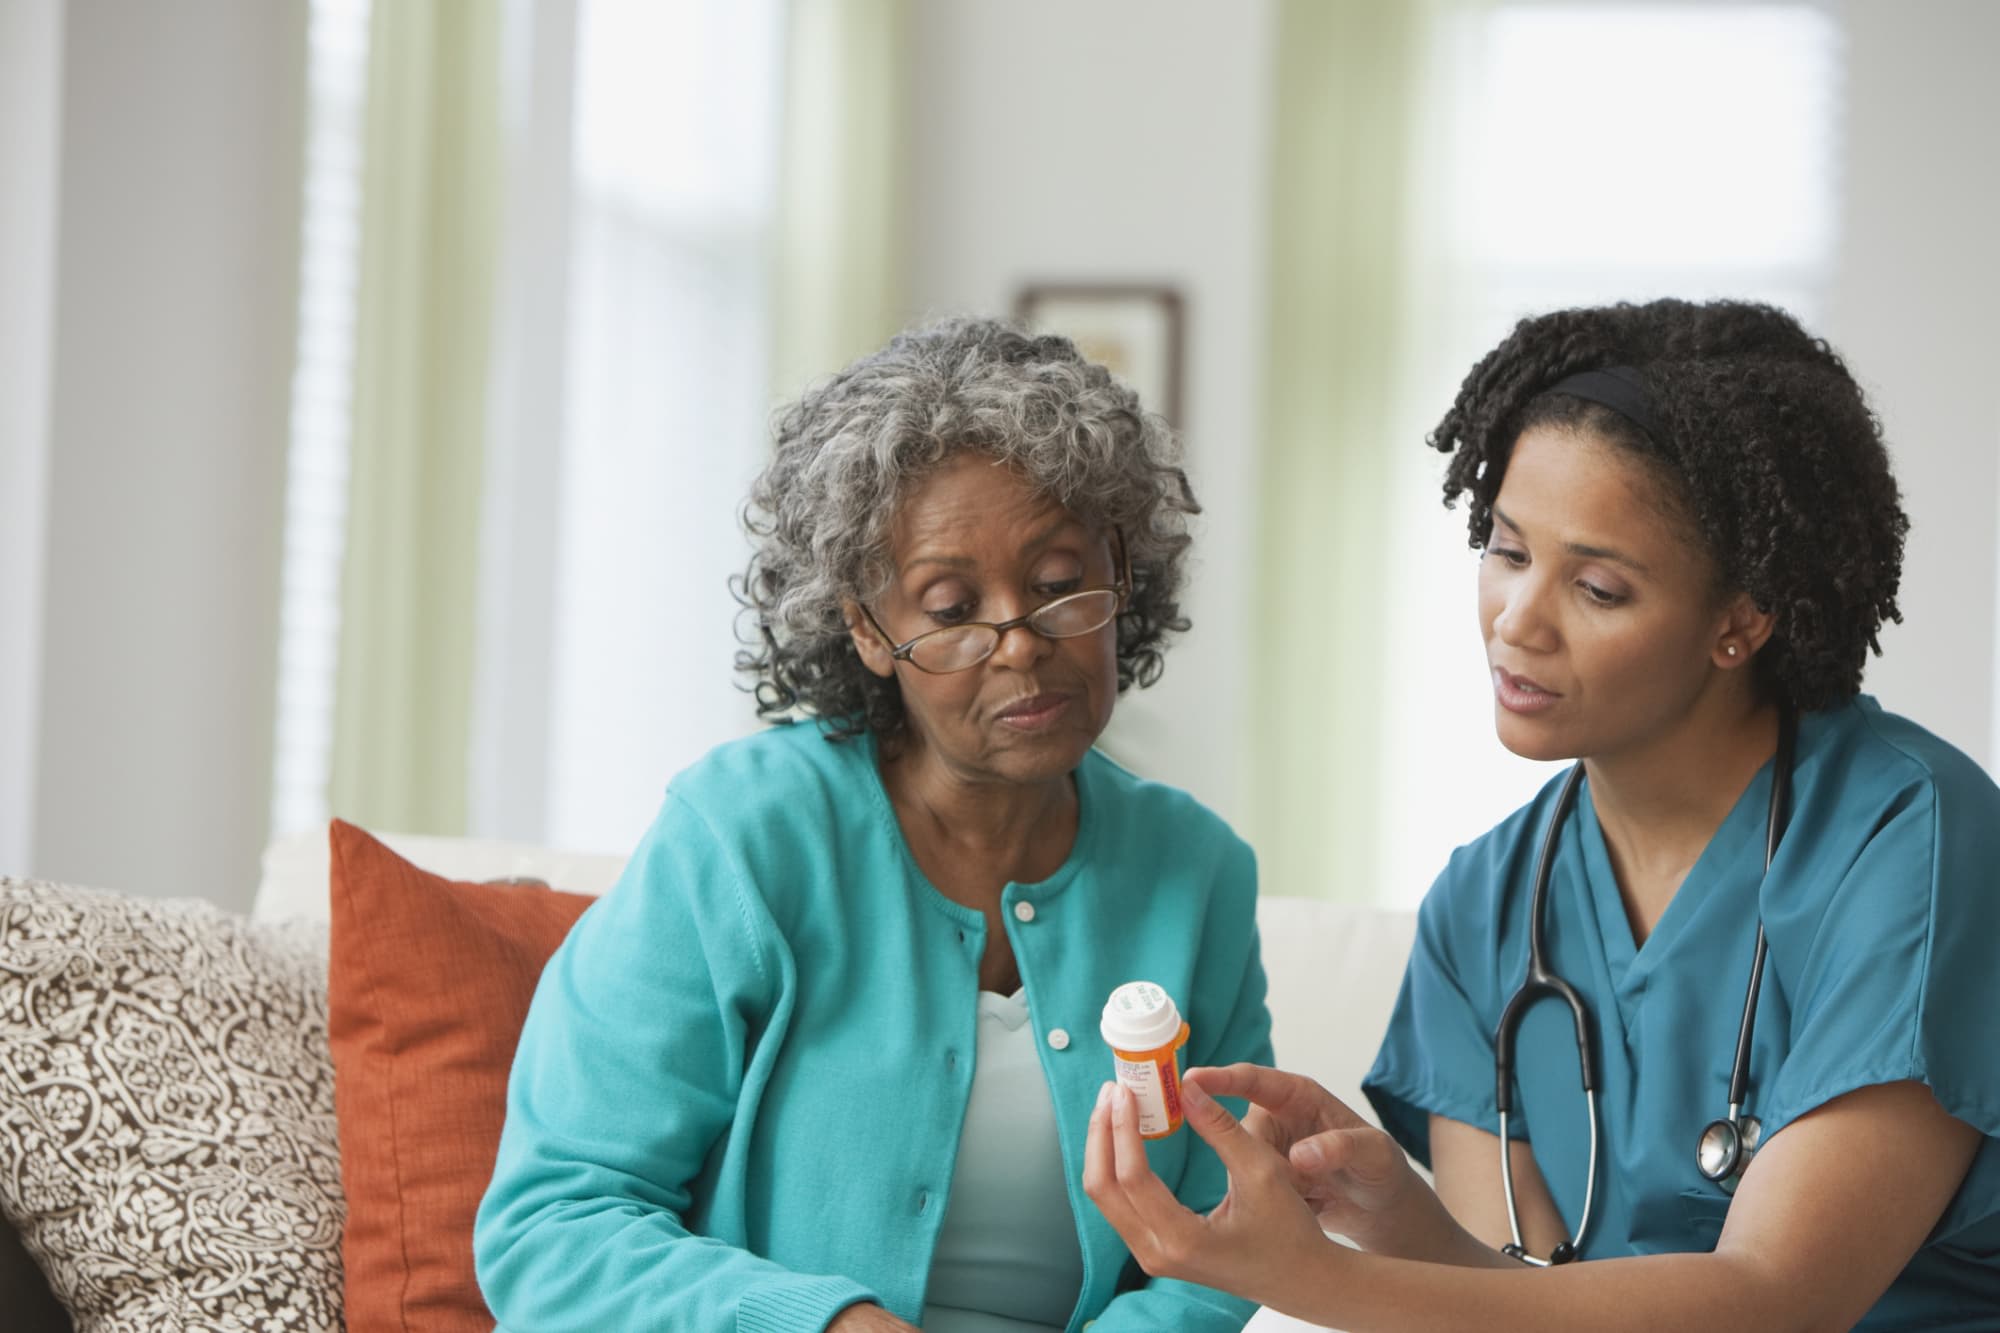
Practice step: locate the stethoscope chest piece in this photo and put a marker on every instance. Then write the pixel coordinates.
(1726, 1148)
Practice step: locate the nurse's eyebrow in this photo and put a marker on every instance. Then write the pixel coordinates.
(1582, 550)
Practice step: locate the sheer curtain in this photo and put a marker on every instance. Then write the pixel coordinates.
(423, 320)
(1346, 95)
(675, 193)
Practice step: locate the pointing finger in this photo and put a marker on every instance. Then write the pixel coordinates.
(1241, 1151)
(1292, 1098)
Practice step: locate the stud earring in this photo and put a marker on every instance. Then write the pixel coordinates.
(1731, 650)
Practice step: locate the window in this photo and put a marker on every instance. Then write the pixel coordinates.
(322, 392)
(654, 392)
(1580, 162)
(628, 398)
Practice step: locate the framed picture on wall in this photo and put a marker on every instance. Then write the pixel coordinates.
(1133, 329)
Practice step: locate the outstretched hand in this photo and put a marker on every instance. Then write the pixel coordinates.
(1355, 1178)
(1257, 1243)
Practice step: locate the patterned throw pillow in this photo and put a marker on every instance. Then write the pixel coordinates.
(167, 1142)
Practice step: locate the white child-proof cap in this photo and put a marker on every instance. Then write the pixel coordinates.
(1140, 1016)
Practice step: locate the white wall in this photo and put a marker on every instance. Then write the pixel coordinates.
(148, 163)
(1914, 312)
(1128, 140)
(30, 101)
(1122, 140)
(177, 210)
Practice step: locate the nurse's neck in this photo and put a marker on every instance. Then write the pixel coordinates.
(1660, 804)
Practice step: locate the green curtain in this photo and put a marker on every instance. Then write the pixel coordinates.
(841, 234)
(430, 209)
(1347, 74)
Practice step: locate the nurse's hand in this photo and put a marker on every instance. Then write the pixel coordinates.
(1355, 1177)
(1260, 1242)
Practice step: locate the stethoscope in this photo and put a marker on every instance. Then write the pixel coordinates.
(1726, 1145)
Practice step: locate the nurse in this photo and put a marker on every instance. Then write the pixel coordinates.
(1689, 537)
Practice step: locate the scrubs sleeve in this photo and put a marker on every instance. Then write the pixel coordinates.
(1437, 1057)
(1900, 977)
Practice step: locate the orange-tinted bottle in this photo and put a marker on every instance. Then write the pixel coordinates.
(1144, 1030)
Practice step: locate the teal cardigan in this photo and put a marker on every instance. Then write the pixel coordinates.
(737, 1098)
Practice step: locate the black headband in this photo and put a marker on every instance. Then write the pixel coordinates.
(1618, 388)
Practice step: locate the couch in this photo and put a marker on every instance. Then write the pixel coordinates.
(1333, 971)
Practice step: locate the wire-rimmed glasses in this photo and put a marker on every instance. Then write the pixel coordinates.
(959, 647)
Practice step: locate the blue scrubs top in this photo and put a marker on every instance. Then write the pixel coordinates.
(1883, 915)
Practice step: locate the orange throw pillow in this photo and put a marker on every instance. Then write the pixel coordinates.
(427, 988)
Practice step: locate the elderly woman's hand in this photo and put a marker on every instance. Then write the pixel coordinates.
(1260, 1242)
(1354, 1176)
(868, 1319)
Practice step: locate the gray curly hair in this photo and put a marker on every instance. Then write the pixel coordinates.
(851, 448)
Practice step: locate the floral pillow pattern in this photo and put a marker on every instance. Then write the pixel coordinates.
(167, 1142)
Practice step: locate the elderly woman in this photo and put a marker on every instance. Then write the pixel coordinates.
(826, 1055)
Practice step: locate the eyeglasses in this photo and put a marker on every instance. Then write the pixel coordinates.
(940, 652)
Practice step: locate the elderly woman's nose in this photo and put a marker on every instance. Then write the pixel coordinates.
(1022, 645)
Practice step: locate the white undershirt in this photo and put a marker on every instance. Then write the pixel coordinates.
(1007, 1259)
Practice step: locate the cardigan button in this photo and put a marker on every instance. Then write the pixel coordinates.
(1024, 912)
(1058, 1039)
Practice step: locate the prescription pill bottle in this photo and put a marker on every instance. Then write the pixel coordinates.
(1145, 1033)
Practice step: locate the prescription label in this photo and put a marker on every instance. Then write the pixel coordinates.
(1156, 1089)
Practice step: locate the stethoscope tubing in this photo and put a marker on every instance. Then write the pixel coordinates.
(1542, 982)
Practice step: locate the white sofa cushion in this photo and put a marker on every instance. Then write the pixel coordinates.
(1333, 967)
(296, 868)
(1334, 971)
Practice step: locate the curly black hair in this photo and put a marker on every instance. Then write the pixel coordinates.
(850, 448)
(1767, 446)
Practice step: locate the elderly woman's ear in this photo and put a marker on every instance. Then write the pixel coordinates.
(875, 654)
